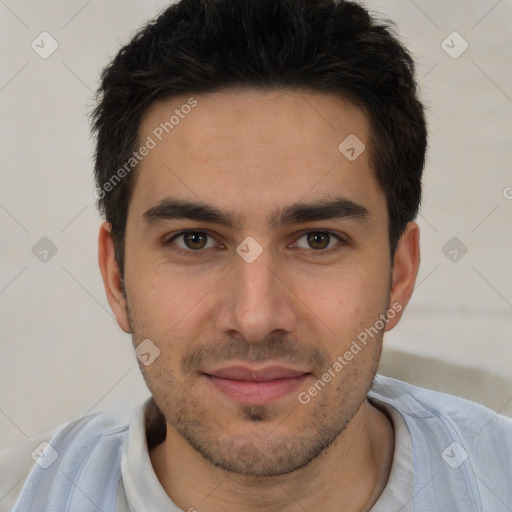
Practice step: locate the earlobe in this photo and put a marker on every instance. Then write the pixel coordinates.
(405, 270)
(112, 277)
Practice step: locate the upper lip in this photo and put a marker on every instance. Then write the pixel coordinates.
(256, 375)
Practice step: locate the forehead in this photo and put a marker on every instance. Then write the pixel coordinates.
(247, 150)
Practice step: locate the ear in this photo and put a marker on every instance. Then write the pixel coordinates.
(405, 269)
(112, 277)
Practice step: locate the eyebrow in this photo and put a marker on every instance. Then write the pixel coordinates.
(325, 209)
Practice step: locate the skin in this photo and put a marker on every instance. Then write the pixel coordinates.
(252, 152)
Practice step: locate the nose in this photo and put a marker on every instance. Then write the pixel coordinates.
(257, 300)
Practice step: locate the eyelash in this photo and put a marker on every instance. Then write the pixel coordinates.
(168, 243)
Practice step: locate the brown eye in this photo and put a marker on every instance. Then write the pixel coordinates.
(190, 242)
(320, 240)
(195, 240)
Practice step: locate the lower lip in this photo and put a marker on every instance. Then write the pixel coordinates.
(257, 393)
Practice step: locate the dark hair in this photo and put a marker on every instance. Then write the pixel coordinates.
(201, 46)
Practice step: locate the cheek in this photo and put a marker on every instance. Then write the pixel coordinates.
(346, 303)
(166, 302)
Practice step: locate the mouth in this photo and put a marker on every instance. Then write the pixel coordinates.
(251, 386)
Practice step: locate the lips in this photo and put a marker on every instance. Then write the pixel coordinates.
(251, 375)
(250, 386)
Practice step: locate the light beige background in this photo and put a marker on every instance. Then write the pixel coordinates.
(62, 353)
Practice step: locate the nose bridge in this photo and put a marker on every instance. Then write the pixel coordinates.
(256, 302)
(257, 285)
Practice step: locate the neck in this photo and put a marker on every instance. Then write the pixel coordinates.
(351, 473)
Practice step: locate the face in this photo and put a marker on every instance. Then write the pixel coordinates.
(256, 253)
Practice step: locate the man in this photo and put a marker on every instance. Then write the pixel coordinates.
(259, 167)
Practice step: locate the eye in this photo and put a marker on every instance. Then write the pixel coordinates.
(320, 241)
(192, 242)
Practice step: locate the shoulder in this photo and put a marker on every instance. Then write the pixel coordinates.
(420, 402)
(16, 463)
(460, 446)
(46, 457)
